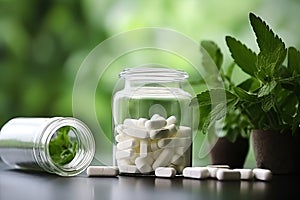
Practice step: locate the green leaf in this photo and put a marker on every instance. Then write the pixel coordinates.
(265, 37)
(250, 85)
(246, 96)
(293, 61)
(267, 89)
(214, 105)
(272, 50)
(286, 103)
(291, 83)
(204, 113)
(267, 103)
(217, 113)
(211, 52)
(202, 99)
(212, 59)
(243, 56)
(214, 97)
(270, 65)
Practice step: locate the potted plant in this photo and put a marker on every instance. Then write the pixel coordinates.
(230, 141)
(274, 111)
(269, 99)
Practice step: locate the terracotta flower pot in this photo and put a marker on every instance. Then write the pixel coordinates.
(227, 153)
(276, 151)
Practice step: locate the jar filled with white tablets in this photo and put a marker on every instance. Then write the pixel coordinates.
(152, 120)
(61, 145)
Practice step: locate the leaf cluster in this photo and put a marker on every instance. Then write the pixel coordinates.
(217, 105)
(62, 149)
(269, 99)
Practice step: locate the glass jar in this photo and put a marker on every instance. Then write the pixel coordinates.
(152, 120)
(61, 145)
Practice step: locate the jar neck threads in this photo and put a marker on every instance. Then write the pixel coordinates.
(148, 76)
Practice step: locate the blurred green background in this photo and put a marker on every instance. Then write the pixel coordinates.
(43, 43)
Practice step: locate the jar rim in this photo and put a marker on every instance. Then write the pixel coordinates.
(155, 74)
(86, 141)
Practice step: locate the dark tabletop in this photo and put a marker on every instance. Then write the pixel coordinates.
(24, 185)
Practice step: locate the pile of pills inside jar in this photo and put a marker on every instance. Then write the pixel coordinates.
(144, 145)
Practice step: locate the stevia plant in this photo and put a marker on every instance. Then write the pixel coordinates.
(269, 98)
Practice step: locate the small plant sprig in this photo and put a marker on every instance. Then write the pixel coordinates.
(62, 149)
(234, 125)
(269, 99)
